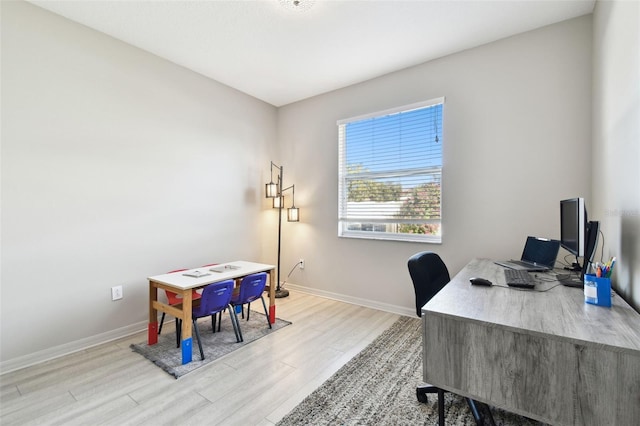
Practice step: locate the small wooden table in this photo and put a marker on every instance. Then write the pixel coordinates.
(182, 284)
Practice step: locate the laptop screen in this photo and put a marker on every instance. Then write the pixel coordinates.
(541, 251)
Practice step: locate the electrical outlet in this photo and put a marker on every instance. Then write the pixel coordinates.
(116, 292)
(301, 264)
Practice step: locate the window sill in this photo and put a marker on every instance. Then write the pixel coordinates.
(411, 238)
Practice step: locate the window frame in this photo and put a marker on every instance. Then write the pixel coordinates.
(437, 171)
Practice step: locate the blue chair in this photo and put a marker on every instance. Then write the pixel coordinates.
(215, 299)
(251, 289)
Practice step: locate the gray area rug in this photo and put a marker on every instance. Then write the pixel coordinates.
(215, 345)
(377, 387)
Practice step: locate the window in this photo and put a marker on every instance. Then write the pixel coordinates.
(390, 174)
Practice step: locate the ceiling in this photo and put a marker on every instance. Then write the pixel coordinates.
(280, 53)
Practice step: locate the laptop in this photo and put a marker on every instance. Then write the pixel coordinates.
(539, 254)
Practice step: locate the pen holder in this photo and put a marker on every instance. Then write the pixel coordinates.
(597, 291)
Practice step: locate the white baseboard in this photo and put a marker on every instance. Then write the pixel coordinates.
(386, 307)
(71, 347)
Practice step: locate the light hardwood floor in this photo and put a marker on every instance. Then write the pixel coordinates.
(255, 385)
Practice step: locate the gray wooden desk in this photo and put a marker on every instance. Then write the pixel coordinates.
(545, 355)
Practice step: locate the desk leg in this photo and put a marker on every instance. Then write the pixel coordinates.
(272, 298)
(152, 338)
(186, 344)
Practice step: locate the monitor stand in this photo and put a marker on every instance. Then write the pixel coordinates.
(571, 281)
(591, 242)
(576, 267)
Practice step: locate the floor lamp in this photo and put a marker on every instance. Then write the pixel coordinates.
(275, 191)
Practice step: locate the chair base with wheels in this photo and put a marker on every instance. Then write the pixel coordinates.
(480, 418)
(429, 275)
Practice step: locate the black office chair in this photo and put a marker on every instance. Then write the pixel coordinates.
(429, 275)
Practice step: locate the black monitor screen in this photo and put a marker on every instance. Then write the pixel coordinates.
(541, 251)
(573, 222)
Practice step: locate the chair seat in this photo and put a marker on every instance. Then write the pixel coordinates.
(250, 289)
(215, 299)
(175, 299)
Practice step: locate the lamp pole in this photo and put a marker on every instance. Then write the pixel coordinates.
(275, 191)
(280, 292)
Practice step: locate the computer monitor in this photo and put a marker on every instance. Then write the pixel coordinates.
(578, 236)
(573, 226)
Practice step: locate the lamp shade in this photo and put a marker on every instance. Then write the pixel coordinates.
(278, 202)
(293, 214)
(271, 190)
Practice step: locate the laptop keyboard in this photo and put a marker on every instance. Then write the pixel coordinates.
(517, 278)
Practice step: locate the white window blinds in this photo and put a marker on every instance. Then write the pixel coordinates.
(390, 173)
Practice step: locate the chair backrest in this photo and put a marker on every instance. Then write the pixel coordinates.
(251, 288)
(173, 298)
(429, 275)
(215, 297)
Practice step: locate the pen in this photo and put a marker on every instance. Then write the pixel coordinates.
(613, 262)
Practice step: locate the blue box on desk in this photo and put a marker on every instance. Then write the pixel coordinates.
(597, 291)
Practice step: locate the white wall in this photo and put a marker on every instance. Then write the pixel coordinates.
(116, 165)
(517, 118)
(616, 138)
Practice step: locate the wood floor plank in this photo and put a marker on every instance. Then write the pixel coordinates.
(86, 412)
(71, 363)
(255, 385)
(29, 409)
(9, 392)
(172, 409)
(65, 374)
(122, 378)
(240, 404)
